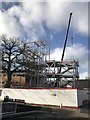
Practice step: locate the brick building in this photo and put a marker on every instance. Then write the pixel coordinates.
(17, 80)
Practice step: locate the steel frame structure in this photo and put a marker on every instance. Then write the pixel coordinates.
(43, 69)
(39, 51)
(68, 74)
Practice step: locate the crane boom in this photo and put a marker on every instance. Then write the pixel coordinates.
(65, 40)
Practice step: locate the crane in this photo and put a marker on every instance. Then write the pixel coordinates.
(65, 41)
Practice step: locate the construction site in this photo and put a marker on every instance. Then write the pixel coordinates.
(45, 72)
(48, 83)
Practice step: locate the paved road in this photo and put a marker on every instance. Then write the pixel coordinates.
(46, 112)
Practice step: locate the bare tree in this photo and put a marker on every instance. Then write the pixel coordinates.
(18, 56)
(11, 50)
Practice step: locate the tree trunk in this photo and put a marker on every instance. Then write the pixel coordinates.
(8, 83)
(27, 81)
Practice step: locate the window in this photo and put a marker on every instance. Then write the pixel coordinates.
(3, 82)
(4, 75)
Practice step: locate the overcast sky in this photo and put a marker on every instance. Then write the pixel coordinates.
(48, 20)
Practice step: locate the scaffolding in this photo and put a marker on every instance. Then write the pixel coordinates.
(41, 50)
(38, 54)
